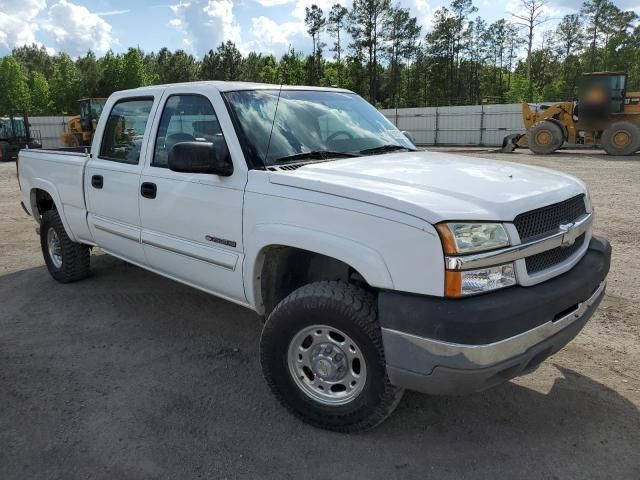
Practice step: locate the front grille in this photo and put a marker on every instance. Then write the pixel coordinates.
(546, 220)
(544, 260)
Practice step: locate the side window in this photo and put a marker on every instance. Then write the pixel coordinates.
(186, 118)
(124, 131)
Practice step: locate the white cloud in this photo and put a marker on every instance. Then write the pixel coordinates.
(75, 29)
(26, 9)
(274, 3)
(269, 35)
(14, 31)
(17, 26)
(111, 13)
(423, 11)
(205, 24)
(299, 10)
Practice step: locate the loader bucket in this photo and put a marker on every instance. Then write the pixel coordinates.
(510, 142)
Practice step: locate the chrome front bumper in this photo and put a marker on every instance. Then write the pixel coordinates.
(455, 355)
(455, 369)
(452, 346)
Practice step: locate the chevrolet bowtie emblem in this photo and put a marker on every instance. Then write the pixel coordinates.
(570, 234)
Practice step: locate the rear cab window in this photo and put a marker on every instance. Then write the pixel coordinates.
(124, 130)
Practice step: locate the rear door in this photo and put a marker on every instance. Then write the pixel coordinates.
(192, 223)
(112, 177)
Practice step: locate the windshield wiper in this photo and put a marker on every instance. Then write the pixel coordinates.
(314, 155)
(390, 147)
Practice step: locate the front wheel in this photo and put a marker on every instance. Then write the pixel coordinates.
(322, 356)
(545, 137)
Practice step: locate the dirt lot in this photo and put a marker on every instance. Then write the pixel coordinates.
(127, 376)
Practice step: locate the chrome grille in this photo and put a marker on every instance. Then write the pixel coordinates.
(546, 220)
(544, 260)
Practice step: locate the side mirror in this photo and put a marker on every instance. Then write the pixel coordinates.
(200, 157)
(409, 135)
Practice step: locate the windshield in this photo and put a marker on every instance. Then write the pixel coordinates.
(310, 121)
(12, 127)
(96, 107)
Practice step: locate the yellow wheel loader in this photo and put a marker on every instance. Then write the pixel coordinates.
(604, 115)
(80, 128)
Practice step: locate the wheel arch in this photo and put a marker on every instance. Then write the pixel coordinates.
(43, 196)
(291, 256)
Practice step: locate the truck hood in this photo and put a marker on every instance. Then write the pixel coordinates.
(436, 186)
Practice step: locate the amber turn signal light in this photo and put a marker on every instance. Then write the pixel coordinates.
(446, 237)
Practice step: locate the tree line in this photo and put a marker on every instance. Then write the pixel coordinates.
(375, 49)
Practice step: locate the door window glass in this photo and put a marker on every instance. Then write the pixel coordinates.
(186, 118)
(124, 131)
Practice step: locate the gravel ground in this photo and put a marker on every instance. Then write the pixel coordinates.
(128, 375)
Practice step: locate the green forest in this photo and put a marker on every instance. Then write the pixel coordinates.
(375, 49)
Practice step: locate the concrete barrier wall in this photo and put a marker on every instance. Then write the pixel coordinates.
(48, 129)
(465, 125)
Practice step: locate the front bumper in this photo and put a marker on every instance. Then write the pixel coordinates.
(454, 346)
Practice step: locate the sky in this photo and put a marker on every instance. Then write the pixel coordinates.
(267, 26)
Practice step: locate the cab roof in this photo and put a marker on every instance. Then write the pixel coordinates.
(237, 86)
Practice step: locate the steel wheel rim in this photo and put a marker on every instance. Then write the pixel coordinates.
(544, 137)
(327, 365)
(621, 138)
(55, 248)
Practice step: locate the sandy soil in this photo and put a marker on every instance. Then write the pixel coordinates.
(130, 375)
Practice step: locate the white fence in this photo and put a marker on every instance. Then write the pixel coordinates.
(48, 129)
(467, 125)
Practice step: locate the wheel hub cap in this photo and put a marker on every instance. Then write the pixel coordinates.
(54, 247)
(327, 365)
(328, 362)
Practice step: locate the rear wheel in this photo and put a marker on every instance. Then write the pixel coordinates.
(621, 138)
(67, 261)
(322, 356)
(545, 137)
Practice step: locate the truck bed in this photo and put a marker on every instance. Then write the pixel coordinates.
(60, 172)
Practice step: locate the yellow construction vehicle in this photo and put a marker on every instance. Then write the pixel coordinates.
(80, 128)
(604, 114)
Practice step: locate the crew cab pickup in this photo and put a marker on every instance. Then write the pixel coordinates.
(375, 267)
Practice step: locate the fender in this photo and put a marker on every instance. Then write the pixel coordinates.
(50, 188)
(368, 262)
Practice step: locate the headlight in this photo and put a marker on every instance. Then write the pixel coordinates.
(458, 237)
(469, 282)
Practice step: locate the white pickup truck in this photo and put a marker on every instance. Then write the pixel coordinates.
(376, 267)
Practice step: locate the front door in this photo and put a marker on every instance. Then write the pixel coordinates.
(192, 223)
(112, 180)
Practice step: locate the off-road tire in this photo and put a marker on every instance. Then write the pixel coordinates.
(621, 138)
(545, 137)
(75, 256)
(351, 310)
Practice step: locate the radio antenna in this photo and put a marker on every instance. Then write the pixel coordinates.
(275, 114)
